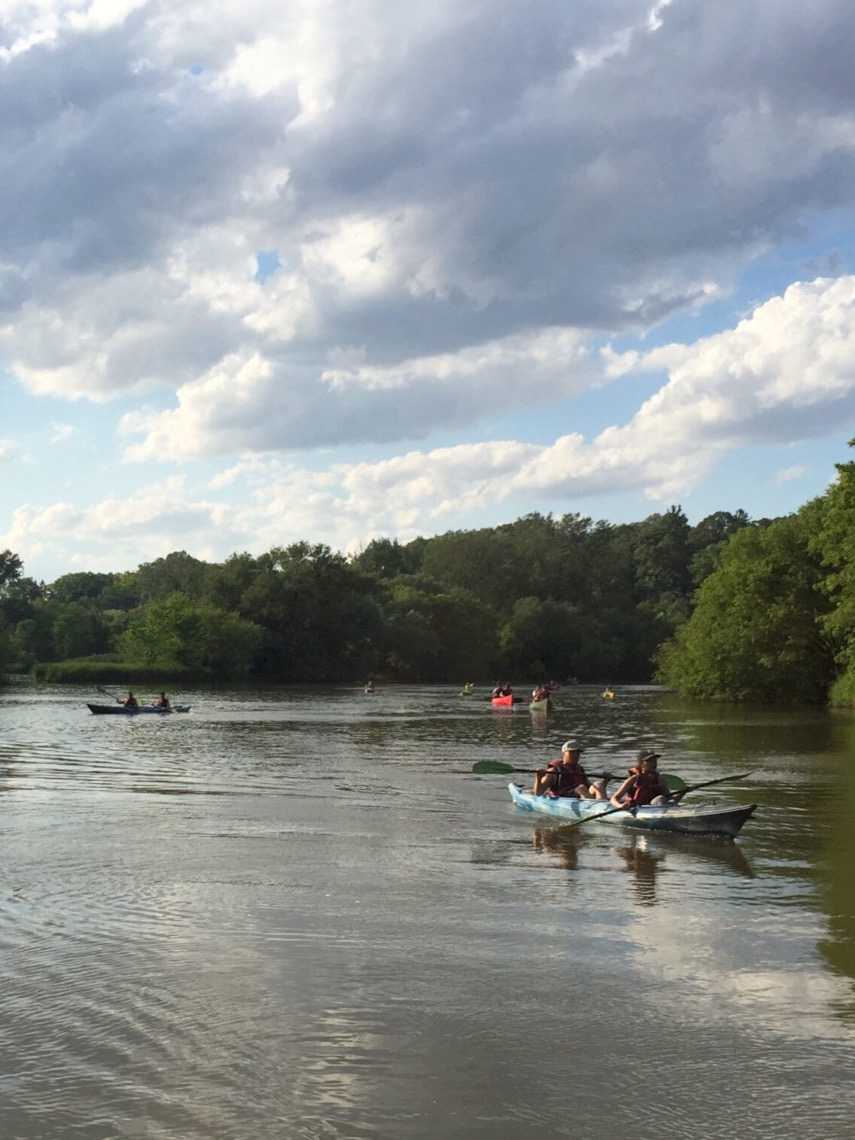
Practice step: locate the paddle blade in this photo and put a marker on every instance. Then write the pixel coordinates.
(493, 768)
(674, 783)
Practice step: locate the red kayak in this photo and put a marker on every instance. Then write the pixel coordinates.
(502, 702)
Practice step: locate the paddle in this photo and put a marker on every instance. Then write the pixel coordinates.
(101, 689)
(686, 788)
(498, 768)
(705, 784)
(599, 815)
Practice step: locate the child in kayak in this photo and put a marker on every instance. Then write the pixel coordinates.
(567, 777)
(643, 785)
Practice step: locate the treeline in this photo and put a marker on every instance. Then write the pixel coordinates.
(539, 598)
(730, 609)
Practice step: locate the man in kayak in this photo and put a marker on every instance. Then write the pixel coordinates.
(131, 702)
(567, 777)
(643, 785)
(162, 701)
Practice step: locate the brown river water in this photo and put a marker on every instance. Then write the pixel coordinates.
(300, 915)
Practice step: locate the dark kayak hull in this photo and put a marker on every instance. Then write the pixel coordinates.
(123, 710)
(683, 819)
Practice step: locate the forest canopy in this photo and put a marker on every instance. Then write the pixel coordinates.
(729, 609)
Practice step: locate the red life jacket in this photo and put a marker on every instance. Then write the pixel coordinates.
(569, 779)
(646, 787)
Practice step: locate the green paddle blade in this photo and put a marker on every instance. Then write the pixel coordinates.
(675, 784)
(493, 768)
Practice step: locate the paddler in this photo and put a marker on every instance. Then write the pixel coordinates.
(567, 777)
(643, 785)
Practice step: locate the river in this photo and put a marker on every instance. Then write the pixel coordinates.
(298, 914)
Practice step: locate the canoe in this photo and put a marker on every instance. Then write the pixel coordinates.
(540, 706)
(684, 819)
(123, 710)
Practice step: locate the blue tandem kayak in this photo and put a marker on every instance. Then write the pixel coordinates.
(685, 819)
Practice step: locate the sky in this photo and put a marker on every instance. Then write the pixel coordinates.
(338, 270)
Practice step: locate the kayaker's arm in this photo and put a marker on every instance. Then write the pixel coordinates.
(626, 787)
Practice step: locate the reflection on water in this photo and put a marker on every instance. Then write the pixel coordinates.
(301, 915)
(642, 855)
(642, 865)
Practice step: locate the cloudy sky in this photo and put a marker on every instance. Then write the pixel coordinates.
(342, 269)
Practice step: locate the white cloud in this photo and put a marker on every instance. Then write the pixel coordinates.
(463, 201)
(790, 474)
(255, 404)
(117, 534)
(786, 372)
(434, 179)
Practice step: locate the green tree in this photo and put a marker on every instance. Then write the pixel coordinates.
(319, 614)
(11, 568)
(434, 634)
(18, 598)
(662, 554)
(79, 629)
(83, 584)
(226, 583)
(707, 539)
(386, 558)
(106, 591)
(755, 633)
(178, 633)
(32, 637)
(545, 640)
(835, 545)
(177, 573)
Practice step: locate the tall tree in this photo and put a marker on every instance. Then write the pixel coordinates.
(11, 568)
(755, 633)
(662, 554)
(180, 633)
(177, 573)
(321, 620)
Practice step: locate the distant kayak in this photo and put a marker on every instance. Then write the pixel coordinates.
(504, 702)
(130, 710)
